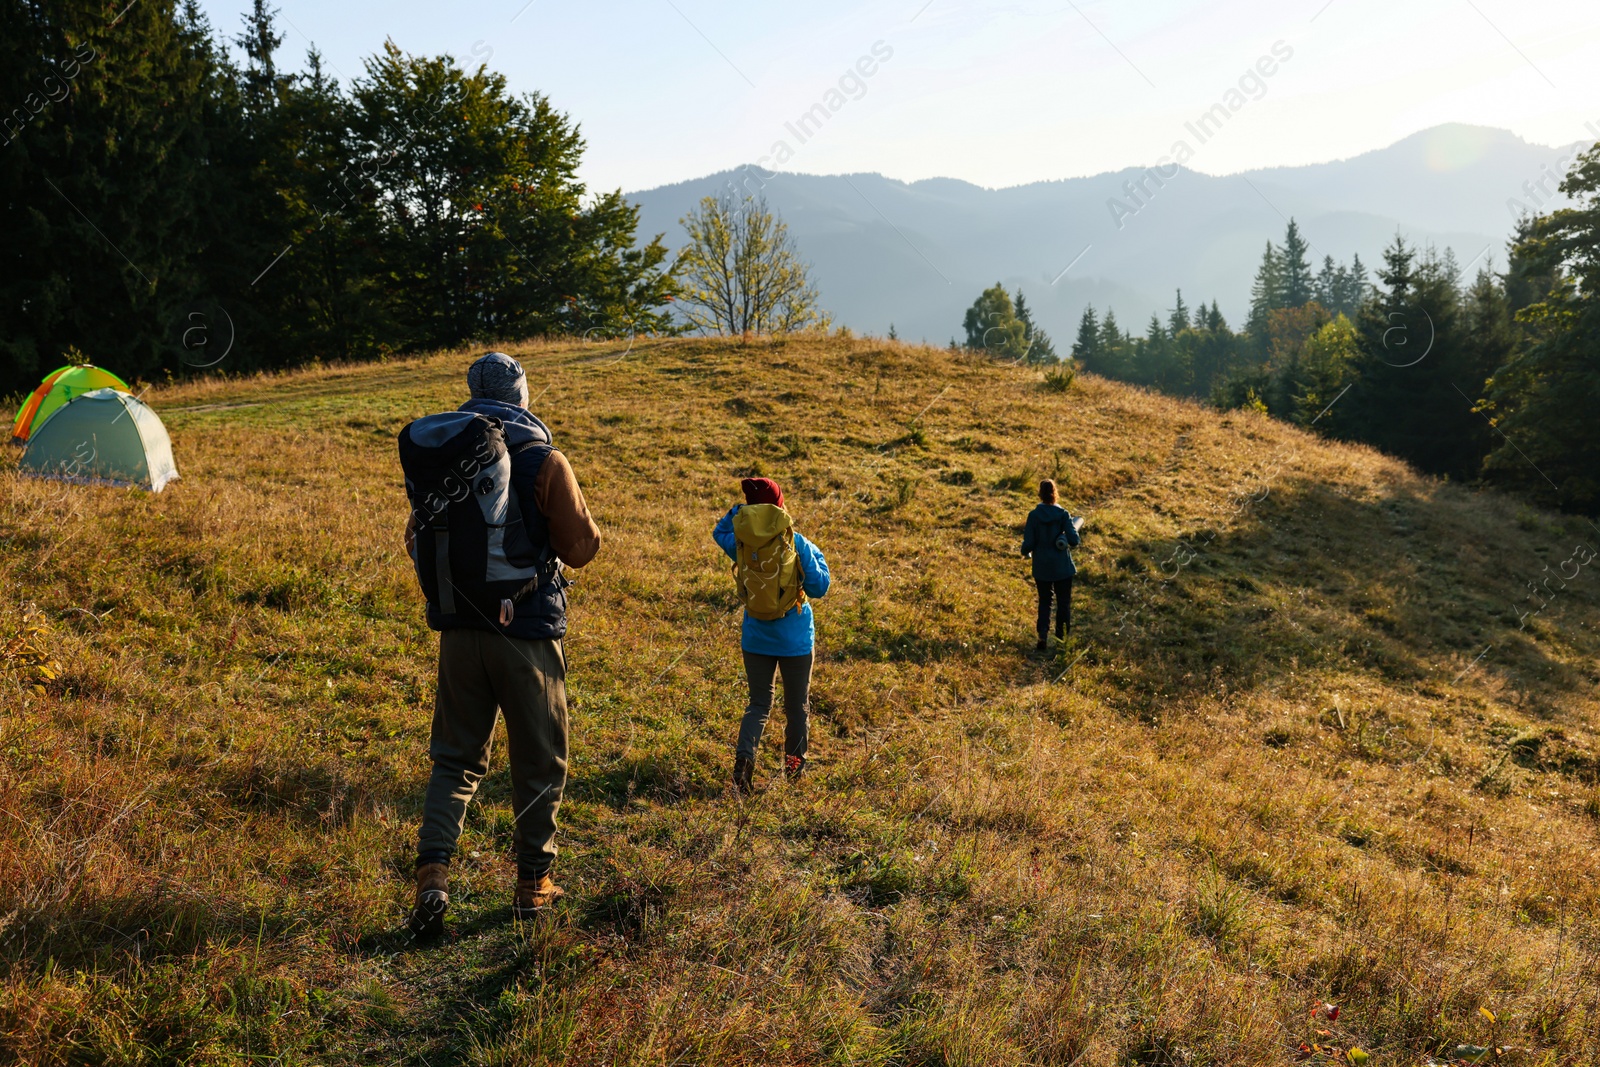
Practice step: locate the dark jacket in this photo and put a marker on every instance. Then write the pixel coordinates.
(1045, 523)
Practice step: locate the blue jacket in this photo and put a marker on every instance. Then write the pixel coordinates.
(794, 634)
(1045, 523)
(542, 614)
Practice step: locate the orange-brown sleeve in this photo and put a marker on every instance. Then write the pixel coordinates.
(573, 533)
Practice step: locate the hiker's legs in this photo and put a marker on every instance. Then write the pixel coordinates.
(796, 700)
(760, 670)
(463, 725)
(1063, 607)
(530, 682)
(1044, 608)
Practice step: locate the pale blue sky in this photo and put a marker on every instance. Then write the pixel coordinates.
(995, 93)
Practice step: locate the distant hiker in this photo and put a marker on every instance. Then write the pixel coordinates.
(495, 512)
(1049, 537)
(777, 571)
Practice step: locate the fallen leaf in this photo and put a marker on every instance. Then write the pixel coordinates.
(1487, 1014)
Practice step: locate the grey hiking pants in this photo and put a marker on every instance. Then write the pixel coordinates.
(761, 671)
(526, 681)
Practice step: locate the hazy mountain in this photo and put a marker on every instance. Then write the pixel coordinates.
(916, 254)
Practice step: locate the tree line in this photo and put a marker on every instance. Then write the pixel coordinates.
(164, 205)
(1492, 379)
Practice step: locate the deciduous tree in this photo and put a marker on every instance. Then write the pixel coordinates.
(741, 273)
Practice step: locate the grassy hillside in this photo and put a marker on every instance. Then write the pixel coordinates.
(1299, 750)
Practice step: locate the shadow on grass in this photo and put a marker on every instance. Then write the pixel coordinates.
(666, 778)
(1305, 578)
(312, 794)
(881, 645)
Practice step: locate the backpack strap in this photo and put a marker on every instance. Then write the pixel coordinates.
(439, 523)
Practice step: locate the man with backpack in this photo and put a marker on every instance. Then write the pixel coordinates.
(1049, 537)
(495, 512)
(776, 570)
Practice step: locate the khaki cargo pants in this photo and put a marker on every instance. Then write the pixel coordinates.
(480, 672)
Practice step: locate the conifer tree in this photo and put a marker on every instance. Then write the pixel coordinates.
(1214, 353)
(1326, 290)
(1416, 389)
(1266, 296)
(1153, 362)
(1040, 347)
(1294, 272)
(260, 40)
(1178, 320)
(1528, 277)
(328, 293)
(101, 186)
(1545, 398)
(1110, 332)
(161, 177)
(1086, 346)
(1116, 361)
(1489, 337)
(1357, 287)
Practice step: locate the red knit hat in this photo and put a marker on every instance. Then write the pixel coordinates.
(762, 491)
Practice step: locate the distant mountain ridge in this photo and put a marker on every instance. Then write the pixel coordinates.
(917, 253)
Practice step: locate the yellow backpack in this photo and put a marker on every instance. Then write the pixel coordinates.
(766, 566)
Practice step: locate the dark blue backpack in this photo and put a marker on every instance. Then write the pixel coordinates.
(473, 553)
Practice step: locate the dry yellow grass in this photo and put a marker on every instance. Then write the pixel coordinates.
(1298, 750)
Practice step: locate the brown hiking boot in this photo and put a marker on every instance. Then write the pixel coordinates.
(744, 768)
(433, 898)
(534, 895)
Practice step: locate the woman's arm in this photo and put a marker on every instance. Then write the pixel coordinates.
(1027, 537)
(813, 568)
(723, 534)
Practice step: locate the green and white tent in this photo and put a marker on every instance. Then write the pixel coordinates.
(106, 437)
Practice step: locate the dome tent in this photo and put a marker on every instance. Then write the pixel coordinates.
(105, 437)
(58, 387)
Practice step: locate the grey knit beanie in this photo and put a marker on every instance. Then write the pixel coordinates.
(496, 376)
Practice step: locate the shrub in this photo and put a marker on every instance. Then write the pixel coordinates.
(1058, 379)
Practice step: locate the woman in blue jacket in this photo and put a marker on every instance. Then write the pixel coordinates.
(1049, 537)
(782, 645)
